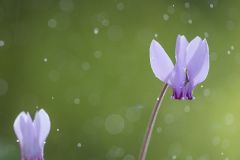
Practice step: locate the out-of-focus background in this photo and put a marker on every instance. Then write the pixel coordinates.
(86, 62)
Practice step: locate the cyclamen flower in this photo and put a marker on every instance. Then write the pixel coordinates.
(32, 134)
(191, 68)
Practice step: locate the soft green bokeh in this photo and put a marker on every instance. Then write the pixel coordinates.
(87, 64)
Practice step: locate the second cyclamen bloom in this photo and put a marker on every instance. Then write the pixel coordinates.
(32, 134)
(191, 68)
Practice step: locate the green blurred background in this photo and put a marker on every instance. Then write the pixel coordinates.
(86, 62)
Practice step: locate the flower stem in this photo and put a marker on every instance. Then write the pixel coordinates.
(151, 123)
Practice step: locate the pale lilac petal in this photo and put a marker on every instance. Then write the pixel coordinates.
(177, 77)
(181, 50)
(198, 65)
(16, 126)
(161, 64)
(28, 134)
(42, 124)
(192, 48)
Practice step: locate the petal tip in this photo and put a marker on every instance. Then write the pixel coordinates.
(153, 42)
(198, 38)
(205, 41)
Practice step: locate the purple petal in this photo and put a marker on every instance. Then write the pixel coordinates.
(161, 64)
(181, 48)
(192, 48)
(16, 126)
(28, 132)
(177, 77)
(42, 124)
(198, 65)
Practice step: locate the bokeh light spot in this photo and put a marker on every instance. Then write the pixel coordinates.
(114, 124)
(3, 87)
(52, 23)
(166, 17)
(2, 43)
(76, 101)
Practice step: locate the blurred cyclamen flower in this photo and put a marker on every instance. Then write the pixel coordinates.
(32, 134)
(191, 68)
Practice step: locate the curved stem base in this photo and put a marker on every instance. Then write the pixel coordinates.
(151, 123)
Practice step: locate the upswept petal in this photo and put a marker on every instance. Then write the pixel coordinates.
(42, 124)
(16, 126)
(161, 64)
(198, 65)
(192, 48)
(181, 50)
(27, 129)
